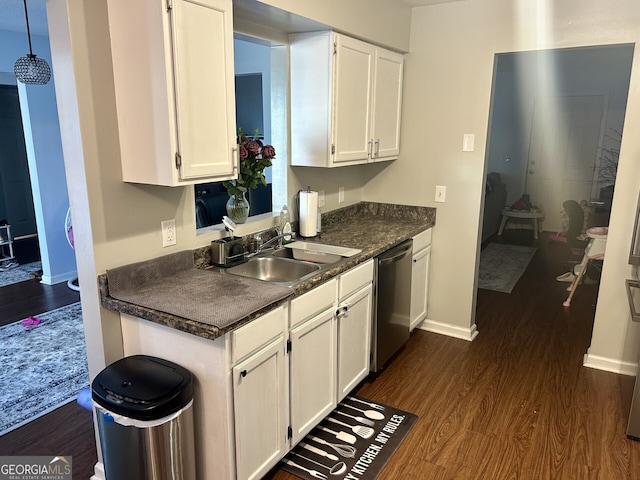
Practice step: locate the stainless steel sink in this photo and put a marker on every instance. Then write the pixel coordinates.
(314, 257)
(275, 269)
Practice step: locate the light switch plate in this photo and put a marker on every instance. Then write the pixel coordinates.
(321, 198)
(340, 194)
(467, 142)
(441, 193)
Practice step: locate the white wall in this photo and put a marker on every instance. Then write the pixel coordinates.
(447, 94)
(380, 21)
(44, 152)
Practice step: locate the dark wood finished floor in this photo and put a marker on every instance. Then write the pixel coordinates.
(20, 300)
(515, 403)
(69, 429)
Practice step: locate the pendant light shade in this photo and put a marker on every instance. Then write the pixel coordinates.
(31, 69)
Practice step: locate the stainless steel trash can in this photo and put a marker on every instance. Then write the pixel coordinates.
(143, 408)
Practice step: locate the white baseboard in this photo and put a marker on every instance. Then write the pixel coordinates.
(63, 277)
(98, 472)
(450, 330)
(610, 365)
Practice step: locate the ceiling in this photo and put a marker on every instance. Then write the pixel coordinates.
(12, 16)
(422, 3)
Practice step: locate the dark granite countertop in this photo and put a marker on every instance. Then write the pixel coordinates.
(371, 227)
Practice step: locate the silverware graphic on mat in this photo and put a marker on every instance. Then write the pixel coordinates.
(313, 473)
(344, 436)
(372, 414)
(360, 430)
(318, 451)
(338, 469)
(347, 451)
(364, 421)
(371, 404)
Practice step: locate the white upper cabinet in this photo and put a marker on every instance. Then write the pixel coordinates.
(387, 102)
(174, 84)
(352, 100)
(346, 98)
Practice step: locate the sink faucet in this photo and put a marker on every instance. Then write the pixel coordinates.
(278, 237)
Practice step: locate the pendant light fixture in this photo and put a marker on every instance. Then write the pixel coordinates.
(30, 69)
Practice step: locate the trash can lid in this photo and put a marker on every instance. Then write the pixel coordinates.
(143, 387)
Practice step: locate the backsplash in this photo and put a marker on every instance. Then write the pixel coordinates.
(202, 255)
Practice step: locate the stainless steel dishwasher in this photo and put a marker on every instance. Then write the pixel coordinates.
(392, 303)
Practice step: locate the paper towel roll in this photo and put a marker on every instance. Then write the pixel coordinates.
(308, 213)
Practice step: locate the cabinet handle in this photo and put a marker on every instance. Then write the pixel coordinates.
(369, 148)
(377, 148)
(235, 153)
(243, 373)
(342, 311)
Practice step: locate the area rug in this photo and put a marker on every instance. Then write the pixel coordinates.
(502, 265)
(19, 273)
(354, 442)
(44, 365)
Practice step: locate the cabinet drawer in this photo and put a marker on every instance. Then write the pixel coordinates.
(422, 240)
(252, 336)
(355, 279)
(312, 303)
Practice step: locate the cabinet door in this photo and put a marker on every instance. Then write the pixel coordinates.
(204, 87)
(352, 100)
(312, 367)
(261, 409)
(354, 340)
(419, 286)
(387, 102)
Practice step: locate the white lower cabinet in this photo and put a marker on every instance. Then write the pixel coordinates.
(261, 388)
(312, 364)
(354, 314)
(354, 340)
(420, 278)
(260, 410)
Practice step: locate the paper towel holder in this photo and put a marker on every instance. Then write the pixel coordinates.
(307, 221)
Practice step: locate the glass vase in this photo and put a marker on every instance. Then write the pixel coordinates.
(238, 207)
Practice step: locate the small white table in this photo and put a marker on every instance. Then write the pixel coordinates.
(533, 216)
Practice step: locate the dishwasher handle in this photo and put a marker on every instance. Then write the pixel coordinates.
(406, 250)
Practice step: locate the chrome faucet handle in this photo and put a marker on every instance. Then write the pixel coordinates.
(258, 236)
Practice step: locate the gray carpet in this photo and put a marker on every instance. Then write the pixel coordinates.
(43, 366)
(501, 266)
(19, 273)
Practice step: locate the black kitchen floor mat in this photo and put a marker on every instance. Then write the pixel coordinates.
(354, 442)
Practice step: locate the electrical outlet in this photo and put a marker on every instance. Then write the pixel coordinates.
(441, 193)
(321, 198)
(168, 233)
(340, 194)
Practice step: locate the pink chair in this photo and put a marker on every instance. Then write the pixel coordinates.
(594, 251)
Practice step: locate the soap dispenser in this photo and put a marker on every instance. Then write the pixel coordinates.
(285, 223)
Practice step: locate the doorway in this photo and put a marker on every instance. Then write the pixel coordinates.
(556, 125)
(16, 200)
